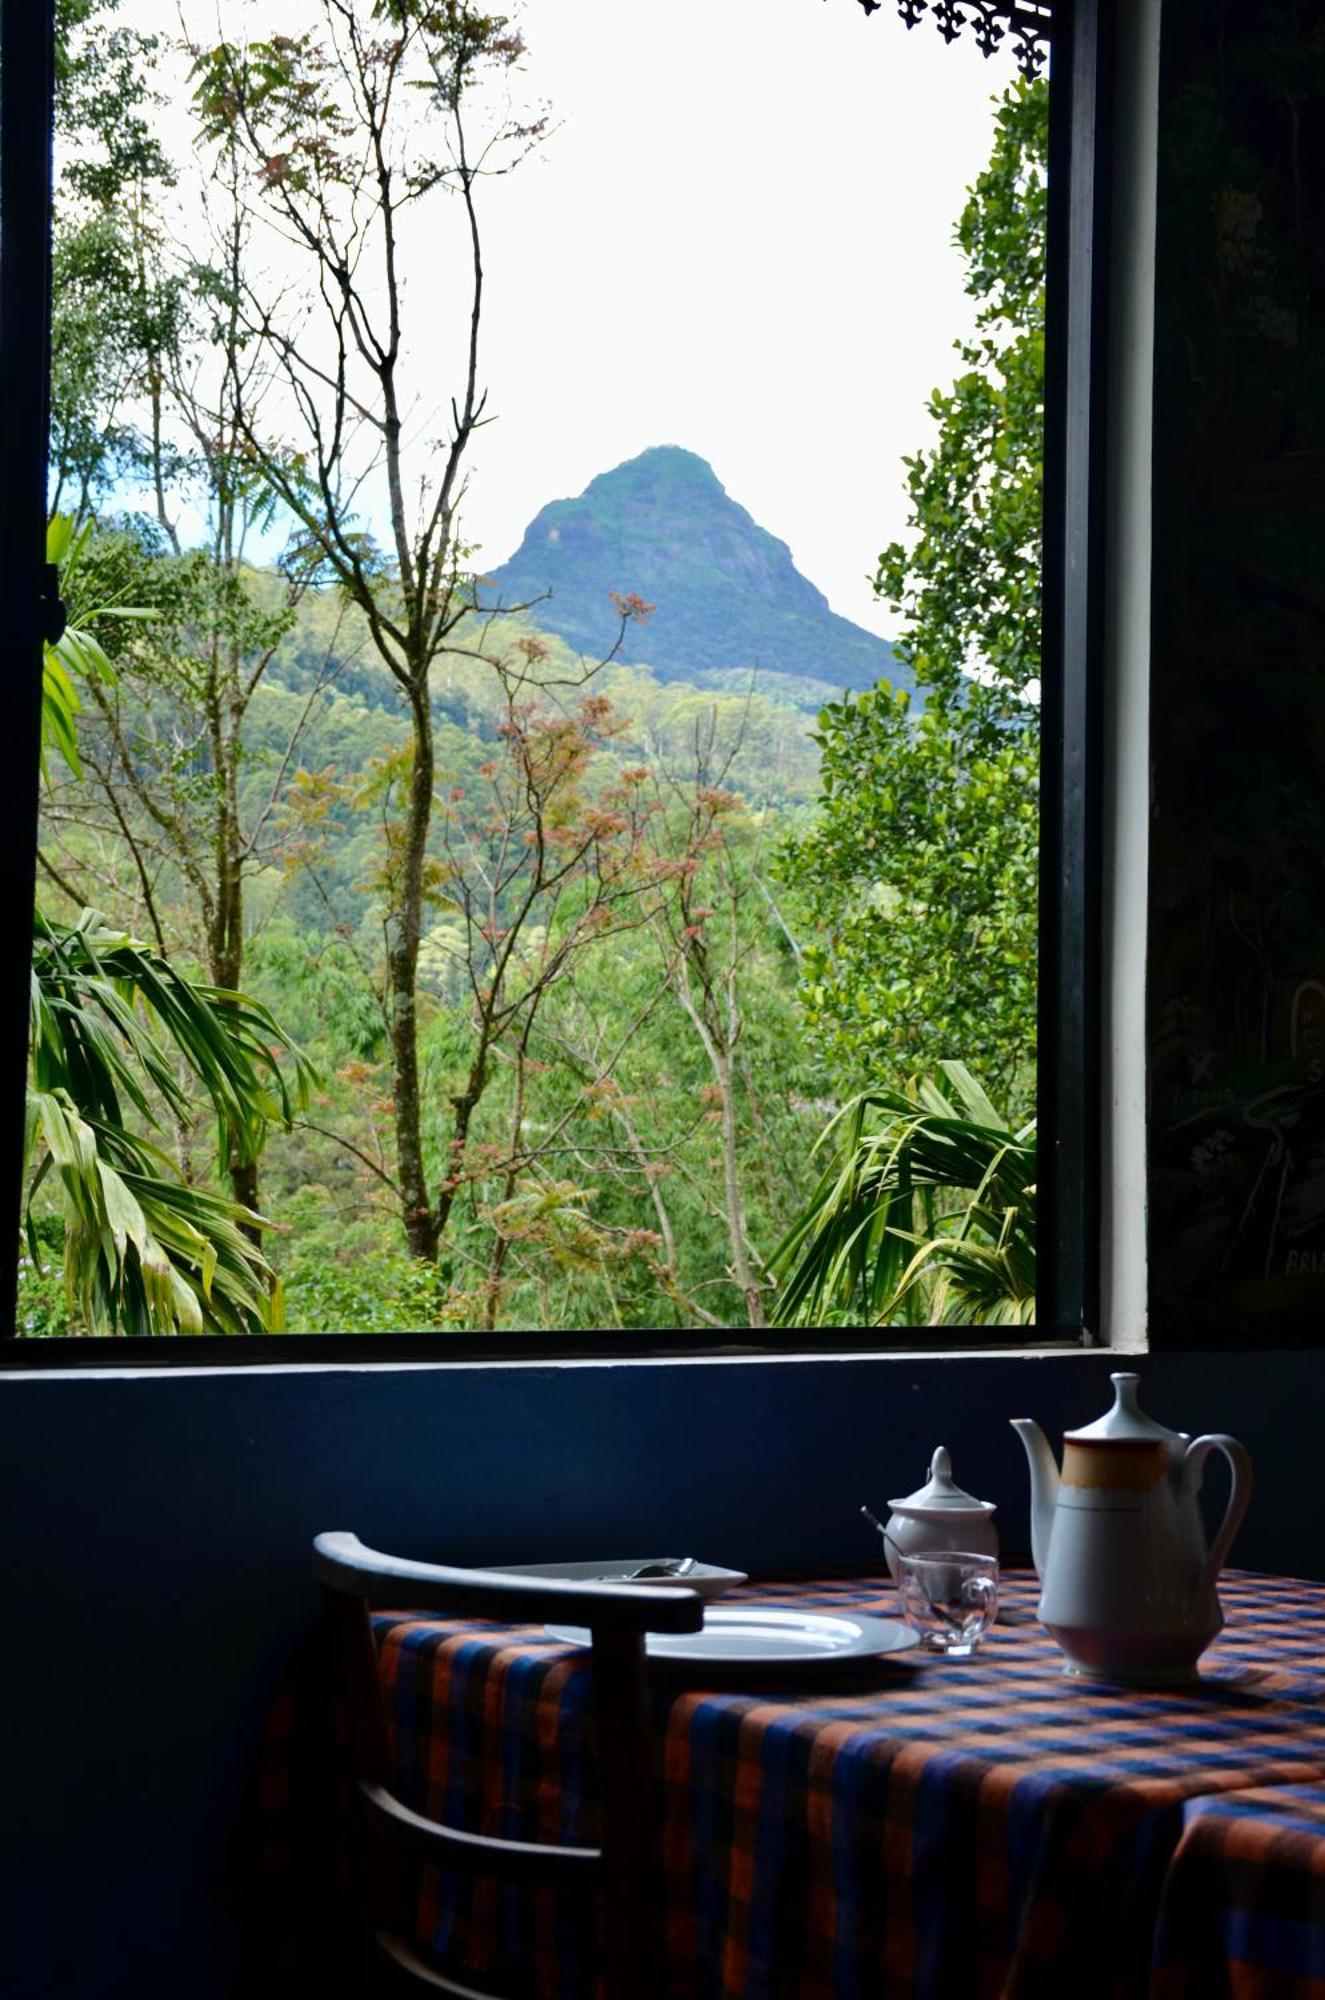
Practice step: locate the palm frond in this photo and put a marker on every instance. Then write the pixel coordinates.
(144, 1253)
(119, 1040)
(929, 1203)
(76, 655)
(111, 1019)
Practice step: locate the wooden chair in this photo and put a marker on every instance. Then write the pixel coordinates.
(623, 1872)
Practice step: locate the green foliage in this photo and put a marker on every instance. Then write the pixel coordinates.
(614, 1106)
(617, 1095)
(921, 868)
(927, 1212)
(121, 1044)
(78, 654)
(117, 312)
(105, 103)
(300, 91)
(921, 862)
(612, 1048)
(119, 1041)
(366, 1287)
(968, 581)
(143, 1251)
(43, 1297)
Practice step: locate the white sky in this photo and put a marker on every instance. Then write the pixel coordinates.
(737, 239)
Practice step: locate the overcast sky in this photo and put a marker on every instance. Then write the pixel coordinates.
(737, 238)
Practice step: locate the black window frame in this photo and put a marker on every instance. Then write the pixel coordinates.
(1070, 939)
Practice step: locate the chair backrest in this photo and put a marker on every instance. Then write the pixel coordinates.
(623, 1869)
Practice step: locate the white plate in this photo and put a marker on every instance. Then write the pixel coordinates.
(768, 1636)
(706, 1578)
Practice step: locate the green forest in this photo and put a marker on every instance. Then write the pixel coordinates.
(400, 964)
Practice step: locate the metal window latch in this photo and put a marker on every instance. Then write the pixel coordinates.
(54, 610)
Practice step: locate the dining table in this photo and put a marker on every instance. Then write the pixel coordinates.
(917, 1827)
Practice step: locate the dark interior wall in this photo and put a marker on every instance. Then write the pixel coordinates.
(1237, 915)
(157, 1534)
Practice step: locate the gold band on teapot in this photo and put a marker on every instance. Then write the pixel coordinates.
(1113, 1468)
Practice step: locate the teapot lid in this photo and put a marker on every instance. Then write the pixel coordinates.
(1125, 1423)
(942, 1491)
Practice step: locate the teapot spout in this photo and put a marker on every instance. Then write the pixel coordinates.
(1044, 1488)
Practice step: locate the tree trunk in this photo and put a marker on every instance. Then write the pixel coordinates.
(702, 1012)
(463, 1108)
(422, 1232)
(244, 1188)
(226, 928)
(501, 1246)
(734, 1201)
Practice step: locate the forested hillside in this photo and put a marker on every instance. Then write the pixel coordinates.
(649, 1106)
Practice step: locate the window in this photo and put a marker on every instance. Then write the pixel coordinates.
(611, 863)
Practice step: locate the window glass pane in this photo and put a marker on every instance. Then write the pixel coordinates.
(515, 854)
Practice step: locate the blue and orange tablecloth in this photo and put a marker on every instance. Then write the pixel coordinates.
(955, 1830)
(1243, 1913)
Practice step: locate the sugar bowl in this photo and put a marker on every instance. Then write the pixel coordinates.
(939, 1515)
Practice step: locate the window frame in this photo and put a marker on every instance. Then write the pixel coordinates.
(1069, 1077)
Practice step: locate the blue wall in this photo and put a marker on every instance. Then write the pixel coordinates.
(159, 1527)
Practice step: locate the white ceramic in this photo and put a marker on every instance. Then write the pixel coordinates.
(707, 1578)
(764, 1637)
(937, 1517)
(1127, 1579)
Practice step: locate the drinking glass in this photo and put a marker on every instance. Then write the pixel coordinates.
(949, 1598)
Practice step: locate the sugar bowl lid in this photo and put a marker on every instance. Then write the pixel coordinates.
(942, 1494)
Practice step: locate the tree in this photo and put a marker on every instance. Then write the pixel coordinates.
(169, 781)
(709, 952)
(120, 1039)
(599, 1148)
(173, 770)
(538, 866)
(921, 861)
(114, 312)
(663, 1109)
(154, 365)
(346, 130)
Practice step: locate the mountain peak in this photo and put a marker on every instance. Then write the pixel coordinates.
(672, 459)
(728, 594)
(666, 476)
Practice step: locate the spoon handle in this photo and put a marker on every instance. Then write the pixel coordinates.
(875, 1522)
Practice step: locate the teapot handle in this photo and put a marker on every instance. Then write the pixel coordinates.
(1239, 1464)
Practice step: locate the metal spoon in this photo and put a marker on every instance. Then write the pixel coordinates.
(875, 1522)
(945, 1617)
(675, 1566)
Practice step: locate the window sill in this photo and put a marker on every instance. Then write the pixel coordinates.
(386, 1354)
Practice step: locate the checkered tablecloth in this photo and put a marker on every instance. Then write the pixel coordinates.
(949, 1830)
(1243, 1915)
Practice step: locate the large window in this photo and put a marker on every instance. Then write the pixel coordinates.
(552, 881)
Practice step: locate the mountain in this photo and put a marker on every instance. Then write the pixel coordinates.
(728, 594)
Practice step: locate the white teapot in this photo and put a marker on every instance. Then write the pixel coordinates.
(937, 1517)
(1127, 1580)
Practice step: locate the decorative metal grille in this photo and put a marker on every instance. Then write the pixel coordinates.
(1029, 22)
